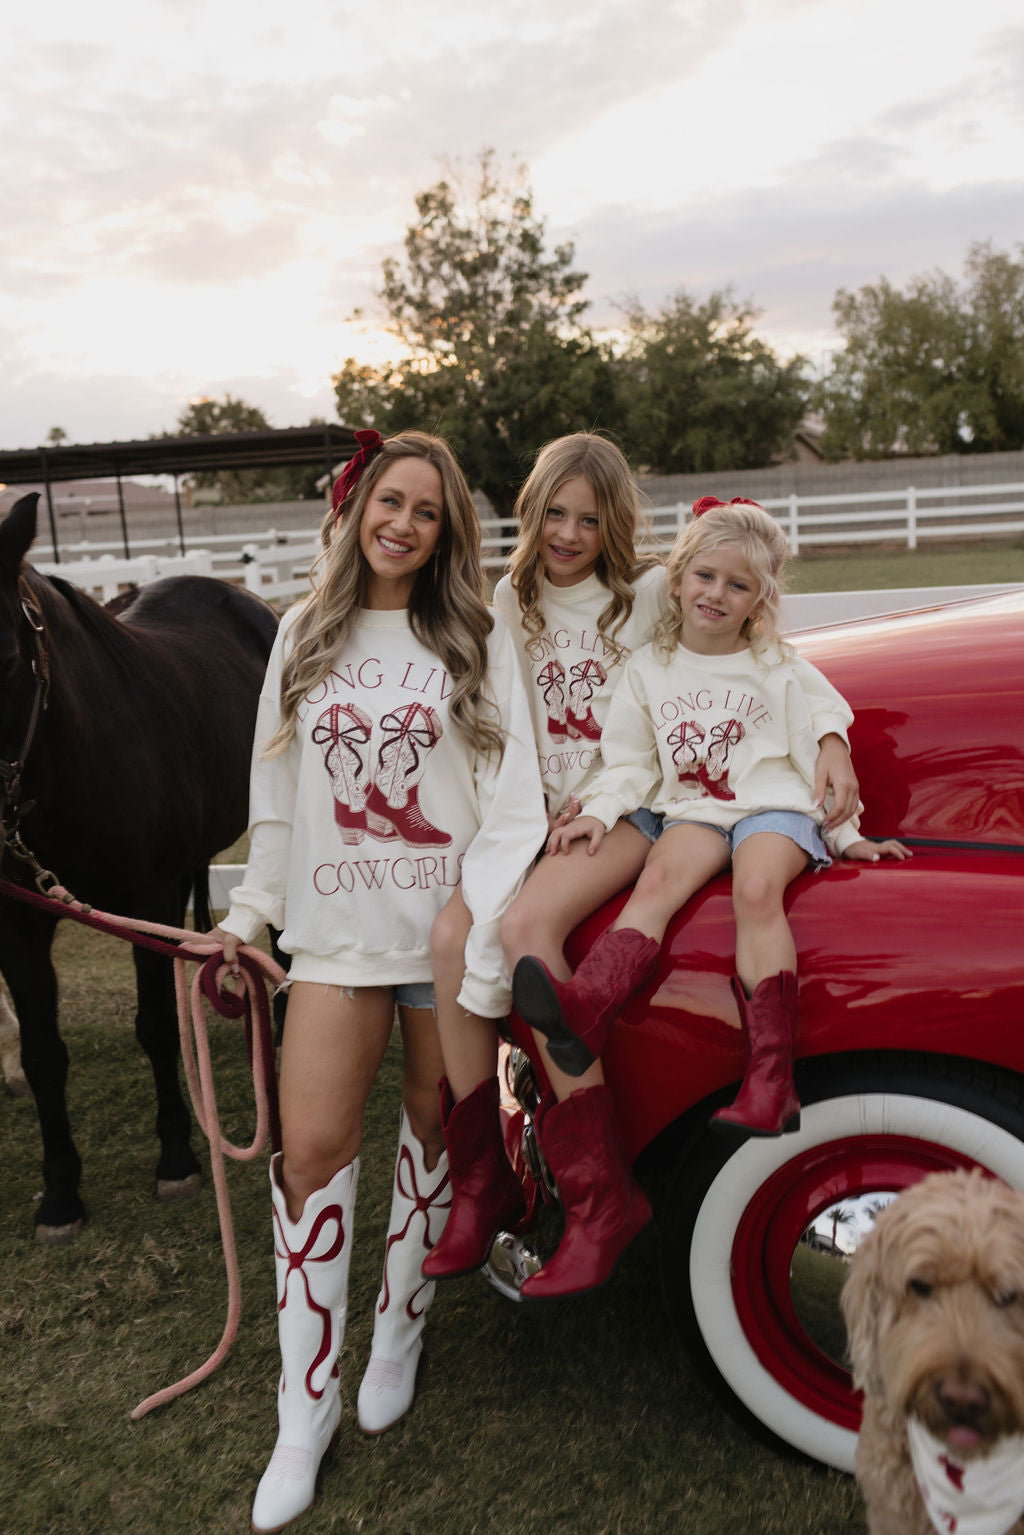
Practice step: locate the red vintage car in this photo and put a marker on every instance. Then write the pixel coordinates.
(911, 1030)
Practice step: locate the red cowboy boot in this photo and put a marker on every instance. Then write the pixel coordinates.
(605, 1208)
(410, 735)
(588, 678)
(575, 1016)
(486, 1194)
(767, 1103)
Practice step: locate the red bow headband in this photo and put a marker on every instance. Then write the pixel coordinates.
(370, 444)
(707, 502)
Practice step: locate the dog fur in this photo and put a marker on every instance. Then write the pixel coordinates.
(934, 1308)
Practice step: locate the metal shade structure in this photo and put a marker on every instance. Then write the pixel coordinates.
(326, 443)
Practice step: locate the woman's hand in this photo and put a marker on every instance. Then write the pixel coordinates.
(588, 826)
(872, 852)
(230, 943)
(834, 770)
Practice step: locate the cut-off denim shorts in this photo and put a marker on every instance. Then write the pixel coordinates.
(647, 823)
(318, 969)
(799, 828)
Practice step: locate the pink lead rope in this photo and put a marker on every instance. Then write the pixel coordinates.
(257, 969)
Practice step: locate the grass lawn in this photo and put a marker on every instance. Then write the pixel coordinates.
(580, 1417)
(878, 570)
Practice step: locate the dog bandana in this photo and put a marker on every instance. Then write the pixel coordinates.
(968, 1497)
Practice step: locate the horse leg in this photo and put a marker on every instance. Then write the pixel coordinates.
(25, 941)
(10, 1051)
(156, 1028)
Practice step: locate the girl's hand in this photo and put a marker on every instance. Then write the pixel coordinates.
(834, 770)
(570, 813)
(871, 852)
(588, 826)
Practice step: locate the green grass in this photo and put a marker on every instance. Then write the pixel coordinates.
(877, 570)
(583, 1417)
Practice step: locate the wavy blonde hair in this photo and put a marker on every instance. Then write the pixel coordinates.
(447, 611)
(762, 543)
(593, 458)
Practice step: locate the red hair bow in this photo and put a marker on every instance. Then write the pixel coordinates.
(707, 502)
(370, 444)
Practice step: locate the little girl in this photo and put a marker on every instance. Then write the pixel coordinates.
(716, 723)
(578, 600)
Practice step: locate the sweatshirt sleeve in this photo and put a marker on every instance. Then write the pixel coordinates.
(830, 713)
(259, 899)
(513, 824)
(629, 754)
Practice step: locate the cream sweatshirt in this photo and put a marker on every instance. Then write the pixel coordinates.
(717, 738)
(363, 827)
(571, 673)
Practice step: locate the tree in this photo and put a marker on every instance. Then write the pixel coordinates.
(495, 354)
(839, 1215)
(56, 435)
(936, 368)
(699, 390)
(205, 417)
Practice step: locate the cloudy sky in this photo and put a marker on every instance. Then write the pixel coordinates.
(198, 193)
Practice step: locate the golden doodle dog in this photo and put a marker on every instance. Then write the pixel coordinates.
(934, 1308)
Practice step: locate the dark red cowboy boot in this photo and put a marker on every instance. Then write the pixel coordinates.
(767, 1103)
(575, 1016)
(486, 1194)
(605, 1208)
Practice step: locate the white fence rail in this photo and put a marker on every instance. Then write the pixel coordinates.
(105, 576)
(275, 563)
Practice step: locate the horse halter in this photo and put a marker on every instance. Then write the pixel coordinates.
(11, 769)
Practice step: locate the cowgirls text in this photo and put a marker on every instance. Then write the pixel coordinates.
(373, 873)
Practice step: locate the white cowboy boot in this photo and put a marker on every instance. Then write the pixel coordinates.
(312, 1257)
(419, 1209)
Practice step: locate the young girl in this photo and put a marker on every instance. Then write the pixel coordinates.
(578, 600)
(720, 721)
(392, 751)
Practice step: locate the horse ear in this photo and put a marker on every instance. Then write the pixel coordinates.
(17, 531)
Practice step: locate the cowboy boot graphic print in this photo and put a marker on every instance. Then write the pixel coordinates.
(551, 681)
(341, 731)
(587, 678)
(409, 736)
(702, 759)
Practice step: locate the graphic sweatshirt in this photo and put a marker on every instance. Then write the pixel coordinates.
(571, 673)
(717, 738)
(362, 828)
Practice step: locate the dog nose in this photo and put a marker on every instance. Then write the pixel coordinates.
(962, 1401)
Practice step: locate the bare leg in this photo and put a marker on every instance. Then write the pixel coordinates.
(469, 1043)
(561, 891)
(682, 860)
(763, 866)
(334, 1042)
(422, 1069)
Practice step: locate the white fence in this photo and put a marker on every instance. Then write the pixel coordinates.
(276, 564)
(105, 576)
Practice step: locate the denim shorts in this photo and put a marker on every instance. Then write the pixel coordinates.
(799, 828)
(318, 970)
(646, 822)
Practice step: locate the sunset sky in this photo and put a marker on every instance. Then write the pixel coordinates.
(197, 195)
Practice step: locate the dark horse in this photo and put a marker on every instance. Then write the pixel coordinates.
(135, 773)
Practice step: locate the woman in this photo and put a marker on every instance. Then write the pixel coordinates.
(393, 756)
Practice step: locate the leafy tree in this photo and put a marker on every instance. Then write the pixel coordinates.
(700, 391)
(205, 417)
(56, 435)
(937, 368)
(494, 351)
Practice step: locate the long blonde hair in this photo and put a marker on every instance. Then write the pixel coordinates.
(447, 611)
(762, 543)
(593, 458)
